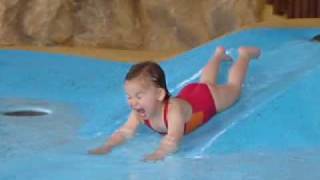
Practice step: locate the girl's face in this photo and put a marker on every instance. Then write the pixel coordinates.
(144, 97)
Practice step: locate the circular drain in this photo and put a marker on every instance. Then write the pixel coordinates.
(27, 112)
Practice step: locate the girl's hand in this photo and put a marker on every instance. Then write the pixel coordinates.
(154, 157)
(100, 150)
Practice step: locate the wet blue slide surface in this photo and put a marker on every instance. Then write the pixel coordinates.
(272, 132)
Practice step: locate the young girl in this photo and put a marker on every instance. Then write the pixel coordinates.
(174, 117)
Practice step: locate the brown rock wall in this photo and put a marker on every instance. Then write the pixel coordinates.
(172, 24)
(122, 24)
(47, 22)
(107, 23)
(10, 11)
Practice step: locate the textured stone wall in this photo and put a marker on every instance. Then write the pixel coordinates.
(122, 24)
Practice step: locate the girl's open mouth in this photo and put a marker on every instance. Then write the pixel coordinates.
(141, 112)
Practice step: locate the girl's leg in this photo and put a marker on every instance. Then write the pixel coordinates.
(226, 95)
(210, 71)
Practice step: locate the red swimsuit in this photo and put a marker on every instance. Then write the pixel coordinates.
(203, 107)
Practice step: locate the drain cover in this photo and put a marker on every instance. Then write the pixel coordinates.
(26, 113)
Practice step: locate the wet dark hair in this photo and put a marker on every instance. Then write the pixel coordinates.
(316, 38)
(151, 70)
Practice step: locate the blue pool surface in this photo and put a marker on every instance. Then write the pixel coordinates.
(273, 132)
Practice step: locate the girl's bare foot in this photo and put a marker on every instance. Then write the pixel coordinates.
(249, 52)
(220, 54)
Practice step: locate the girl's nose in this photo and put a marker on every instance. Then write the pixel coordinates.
(133, 103)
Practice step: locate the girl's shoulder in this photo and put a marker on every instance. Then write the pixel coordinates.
(178, 101)
(173, 101)
(176, 104)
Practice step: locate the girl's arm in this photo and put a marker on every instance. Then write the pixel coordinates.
(124, 133)
(170, 142)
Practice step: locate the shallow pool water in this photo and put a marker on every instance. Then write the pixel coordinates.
(272, 132)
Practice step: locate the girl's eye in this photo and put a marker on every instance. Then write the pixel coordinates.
(139, 96)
